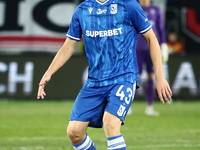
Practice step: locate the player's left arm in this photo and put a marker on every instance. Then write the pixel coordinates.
(161, 86)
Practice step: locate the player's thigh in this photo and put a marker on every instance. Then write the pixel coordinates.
(112, 124)
(112, 119)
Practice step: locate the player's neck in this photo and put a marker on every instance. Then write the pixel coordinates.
(102, 0)
(145, 4)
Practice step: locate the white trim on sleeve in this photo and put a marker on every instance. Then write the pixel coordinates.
(78, 39)
(143, 31)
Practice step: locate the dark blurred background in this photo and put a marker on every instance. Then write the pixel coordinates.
(32, 31)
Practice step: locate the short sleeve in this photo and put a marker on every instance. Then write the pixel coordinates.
(138, 17)
(75, 31)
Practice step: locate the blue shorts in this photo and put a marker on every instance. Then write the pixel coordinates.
(91, 103)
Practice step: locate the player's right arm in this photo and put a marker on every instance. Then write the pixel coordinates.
(63, 55)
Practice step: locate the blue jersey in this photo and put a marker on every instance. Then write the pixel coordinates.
(110, 31)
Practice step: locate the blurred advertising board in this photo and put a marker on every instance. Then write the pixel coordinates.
(20, 76)
(34, 25)
(41, 25)
(182, 74)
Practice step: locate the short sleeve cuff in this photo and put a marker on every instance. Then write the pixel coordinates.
(73, 38)
(147, 29)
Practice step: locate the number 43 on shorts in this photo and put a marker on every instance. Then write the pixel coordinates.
(130, 92)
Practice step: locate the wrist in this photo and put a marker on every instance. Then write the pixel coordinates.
(159, 76)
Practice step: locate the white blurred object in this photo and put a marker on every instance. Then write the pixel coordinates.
(169, 102)
(162, 4)
(164, 52)
(151, 112)
(129, 111)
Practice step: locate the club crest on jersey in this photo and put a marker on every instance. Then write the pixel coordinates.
(113, 9)
(90, 9)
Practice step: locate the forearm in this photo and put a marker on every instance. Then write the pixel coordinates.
(155, 53)
(63, 55)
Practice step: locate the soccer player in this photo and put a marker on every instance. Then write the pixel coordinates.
(156, 18)
(110, 30)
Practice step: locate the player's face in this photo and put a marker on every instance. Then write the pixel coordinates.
(145, 3)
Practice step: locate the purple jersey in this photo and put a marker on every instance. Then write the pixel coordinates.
(155, 16)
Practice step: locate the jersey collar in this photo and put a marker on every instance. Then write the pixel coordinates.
(102, 3)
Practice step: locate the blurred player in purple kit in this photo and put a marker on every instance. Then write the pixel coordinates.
(156, 18)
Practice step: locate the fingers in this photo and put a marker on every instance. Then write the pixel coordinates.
(45, 79)
(161, 97)
(164, 94)
(169, 94)
(165, 97)
(41, 92)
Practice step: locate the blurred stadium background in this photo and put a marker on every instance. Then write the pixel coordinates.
(31, 32)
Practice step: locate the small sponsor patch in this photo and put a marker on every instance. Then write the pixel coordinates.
(121, 110)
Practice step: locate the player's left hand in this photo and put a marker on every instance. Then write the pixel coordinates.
(164, 52)
(163, 90)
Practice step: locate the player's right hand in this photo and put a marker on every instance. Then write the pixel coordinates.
(42, 84)
(163, 90)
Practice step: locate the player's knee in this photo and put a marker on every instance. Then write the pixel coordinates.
(73, 134)
(108, 126)
(111, 127)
